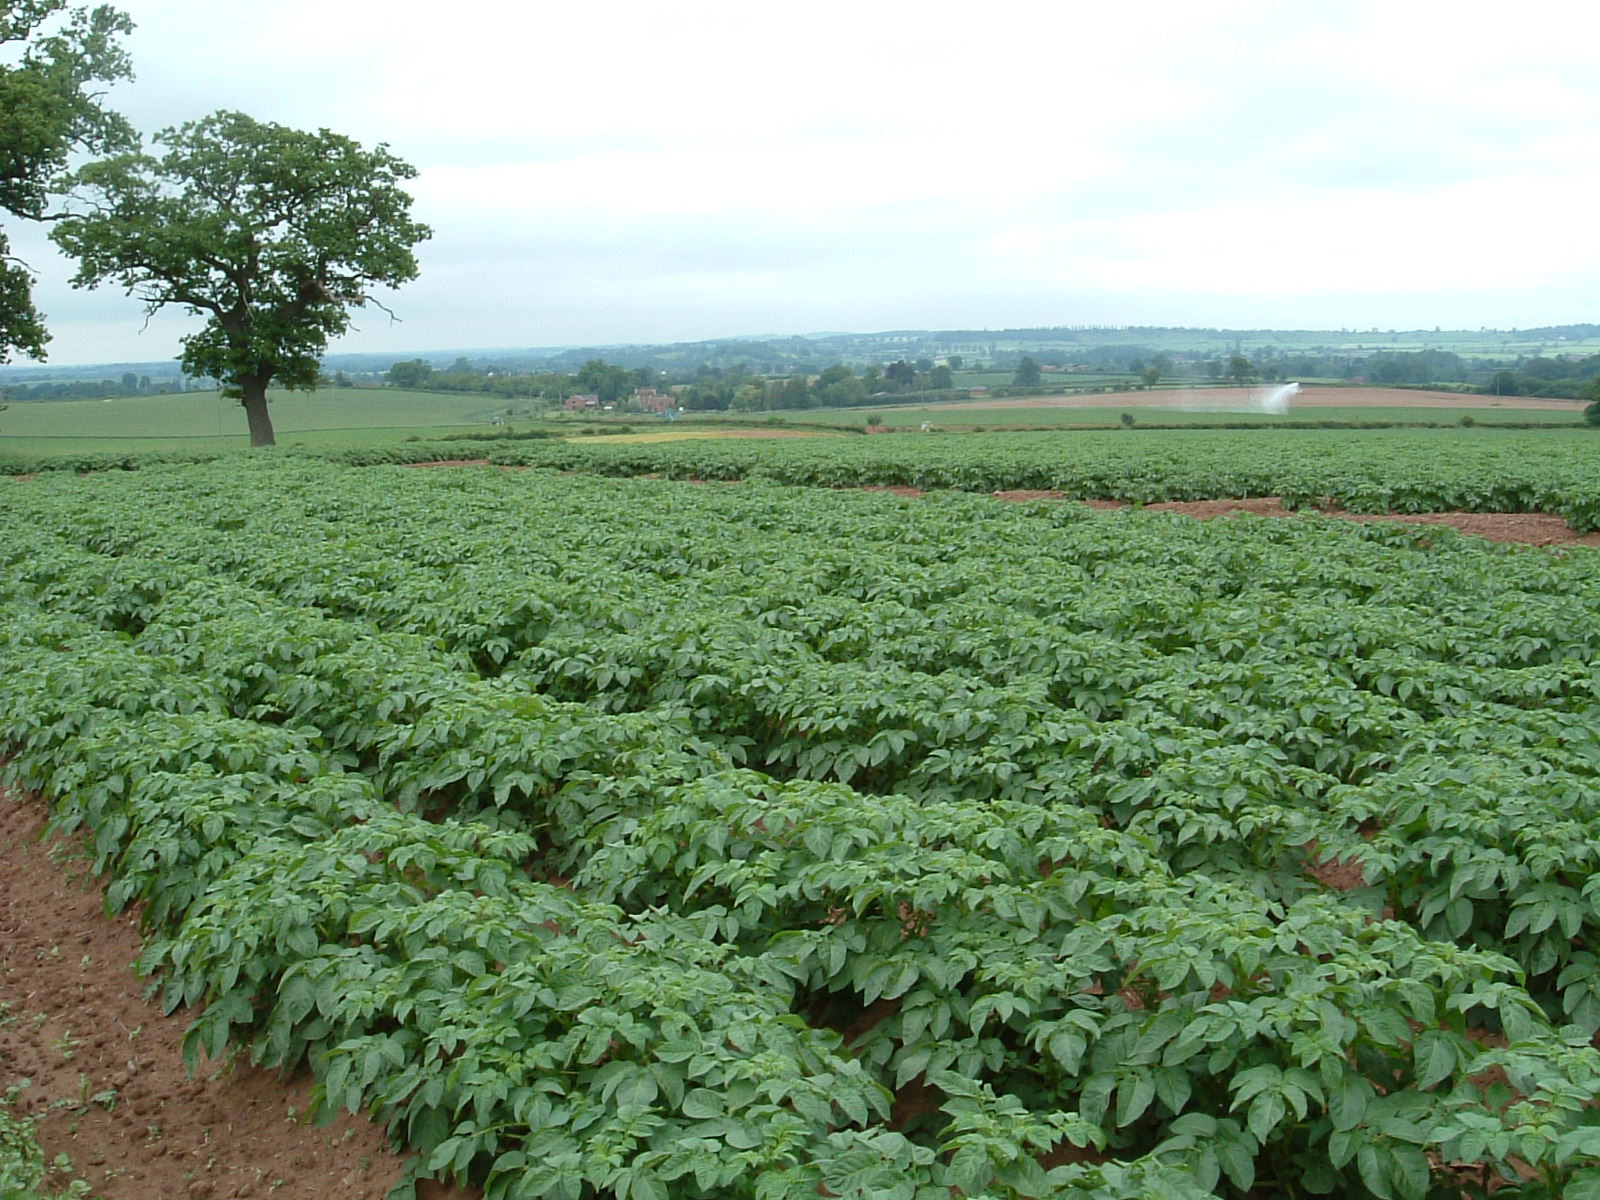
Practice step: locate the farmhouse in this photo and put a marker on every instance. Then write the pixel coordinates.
(652, 401)
(582, 401)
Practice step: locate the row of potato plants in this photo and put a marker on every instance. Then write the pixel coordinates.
(1546, 470)
(607, 668)
(1052, 993)
(284, 913)
(838, 674)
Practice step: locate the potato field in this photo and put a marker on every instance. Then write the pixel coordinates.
(635, 839)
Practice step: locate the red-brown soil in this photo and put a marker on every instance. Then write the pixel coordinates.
(1309, 396)
(107, 1067)
(893, 489)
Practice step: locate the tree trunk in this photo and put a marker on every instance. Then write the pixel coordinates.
(254, 400)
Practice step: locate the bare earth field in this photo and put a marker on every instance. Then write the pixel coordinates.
(1233, 399)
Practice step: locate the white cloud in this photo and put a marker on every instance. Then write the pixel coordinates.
(635, 171)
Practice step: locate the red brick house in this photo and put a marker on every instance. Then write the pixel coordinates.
(652, 401)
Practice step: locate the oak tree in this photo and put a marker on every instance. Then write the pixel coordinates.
(272, 234)
(50, 106)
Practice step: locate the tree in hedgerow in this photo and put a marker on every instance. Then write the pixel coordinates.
(272, 234)
(1591, 414)
(1027, 374)
(607, 380)
(413, 373)
(50, 106)
(901, 375)
(1504, 383)
(1240, 369)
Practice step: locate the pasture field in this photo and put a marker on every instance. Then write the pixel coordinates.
(180, 417)
(24, 450)
(336, 419)
(626, 838)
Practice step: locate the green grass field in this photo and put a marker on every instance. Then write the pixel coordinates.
(193, 419)
(360, 418)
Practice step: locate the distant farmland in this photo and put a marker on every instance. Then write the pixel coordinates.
(1212, 405)
(206, 414)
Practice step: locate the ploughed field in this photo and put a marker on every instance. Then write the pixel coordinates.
(618, 837)
(1309, 396)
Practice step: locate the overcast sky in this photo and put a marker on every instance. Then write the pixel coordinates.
(642, 172)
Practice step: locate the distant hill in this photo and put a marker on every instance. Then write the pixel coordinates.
(796, 353)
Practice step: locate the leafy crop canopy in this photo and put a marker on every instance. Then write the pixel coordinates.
(755, 842)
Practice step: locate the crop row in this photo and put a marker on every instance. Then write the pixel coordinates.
(1040, 916)
(1550, 471)
(1314, 681)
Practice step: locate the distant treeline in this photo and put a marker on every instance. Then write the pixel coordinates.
(741, 388)
(704, 388)
(97, 389)
(1553, 377)
(1100, 345)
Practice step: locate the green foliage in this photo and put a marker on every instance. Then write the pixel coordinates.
(1403, 472)
(413, 373)
(605, 380)
(23, 1168)
(52, 108)
(750, 841)
(270, 233)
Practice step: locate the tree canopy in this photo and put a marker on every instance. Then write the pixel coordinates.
(1027, 374)
(51, 107)
(413, 373)
(272, 234)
